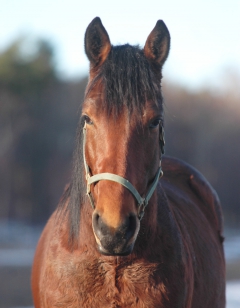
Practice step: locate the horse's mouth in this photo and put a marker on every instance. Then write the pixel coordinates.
(116, 251)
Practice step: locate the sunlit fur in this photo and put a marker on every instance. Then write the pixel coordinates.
(174, 257)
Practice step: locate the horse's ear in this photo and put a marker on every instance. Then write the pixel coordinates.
(157, 46)
(97, 43)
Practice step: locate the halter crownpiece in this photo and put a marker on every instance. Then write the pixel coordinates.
(142, 202)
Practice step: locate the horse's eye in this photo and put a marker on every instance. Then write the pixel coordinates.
(87, 120)
(154, 123)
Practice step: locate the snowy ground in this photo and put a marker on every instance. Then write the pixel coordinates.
(17, 246)
(233, 294)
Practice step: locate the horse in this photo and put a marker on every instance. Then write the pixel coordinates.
(133, 228)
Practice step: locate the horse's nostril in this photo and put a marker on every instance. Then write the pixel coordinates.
(97, 225)
(96, 218)
(130, 226)
(132, 221)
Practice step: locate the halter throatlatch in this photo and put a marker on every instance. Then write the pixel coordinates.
(142, 202)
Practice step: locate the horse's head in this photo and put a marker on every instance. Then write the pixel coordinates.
(123, 133)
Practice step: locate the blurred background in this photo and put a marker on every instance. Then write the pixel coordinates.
(43, 74)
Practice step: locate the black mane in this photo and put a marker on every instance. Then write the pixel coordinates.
(128, 80)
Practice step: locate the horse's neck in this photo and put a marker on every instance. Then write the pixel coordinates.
(160, 231)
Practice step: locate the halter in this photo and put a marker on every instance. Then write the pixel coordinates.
(142, 202)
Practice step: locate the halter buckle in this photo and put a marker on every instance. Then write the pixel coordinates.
(141, 208)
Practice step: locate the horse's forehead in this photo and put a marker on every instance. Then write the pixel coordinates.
(104, 118)
(95, 106)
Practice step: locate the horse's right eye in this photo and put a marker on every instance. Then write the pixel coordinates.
(154, 123)
(88, 120)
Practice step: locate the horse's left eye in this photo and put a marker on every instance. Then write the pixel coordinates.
(88, 120)
(154, 123)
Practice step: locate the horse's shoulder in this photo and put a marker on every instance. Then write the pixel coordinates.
(39, 262)
(185, 178)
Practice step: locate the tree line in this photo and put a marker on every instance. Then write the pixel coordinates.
(38, 119)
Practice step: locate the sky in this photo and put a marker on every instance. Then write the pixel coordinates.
(205, 34)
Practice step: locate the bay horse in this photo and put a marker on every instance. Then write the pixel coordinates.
(124, 234)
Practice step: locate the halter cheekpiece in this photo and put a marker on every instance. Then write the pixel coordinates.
(142, 202)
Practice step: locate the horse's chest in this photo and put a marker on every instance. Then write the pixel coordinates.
(101, 284)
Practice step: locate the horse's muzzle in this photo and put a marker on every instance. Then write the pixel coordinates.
(115, 242)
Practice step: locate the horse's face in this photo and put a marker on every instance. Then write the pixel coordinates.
(125, 144)
(130, 149)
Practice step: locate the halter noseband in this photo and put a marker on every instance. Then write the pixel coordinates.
(142, 202)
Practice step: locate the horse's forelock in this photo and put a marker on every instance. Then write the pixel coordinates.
(126, 79)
